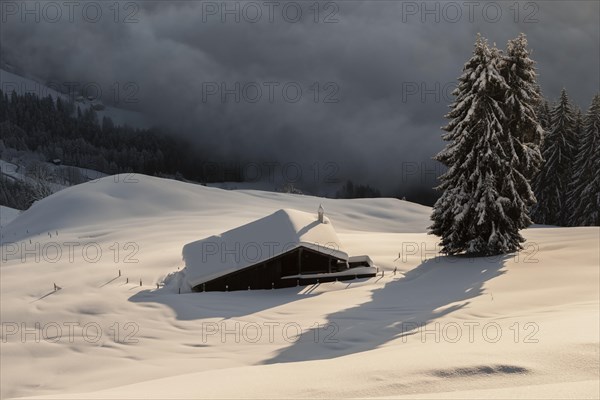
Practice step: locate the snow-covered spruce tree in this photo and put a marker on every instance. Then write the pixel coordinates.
(522, 99)
(584, 195)
(558, 150)
(578, 129)
(481, 209)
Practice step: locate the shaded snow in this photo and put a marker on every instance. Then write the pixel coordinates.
(7, 214)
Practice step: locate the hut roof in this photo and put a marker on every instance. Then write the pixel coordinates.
(259, 241)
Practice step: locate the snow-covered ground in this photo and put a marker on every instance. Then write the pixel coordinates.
(523, 325)
(17, 172)
(7, 214)
(58, 176)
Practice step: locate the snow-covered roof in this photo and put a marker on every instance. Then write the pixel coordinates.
(259, 241)
(363, 258)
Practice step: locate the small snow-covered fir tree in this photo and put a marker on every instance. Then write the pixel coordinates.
(522, 100)
(578, 122)
(584, 195)
(558, 150)
(578, 129)
(481, 208)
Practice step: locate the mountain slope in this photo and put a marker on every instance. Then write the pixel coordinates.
(10, 82)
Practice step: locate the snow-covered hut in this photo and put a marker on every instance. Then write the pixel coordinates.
(287, 248)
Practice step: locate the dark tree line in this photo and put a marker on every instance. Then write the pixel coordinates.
(568, 185)
(358, 191)
(56, 129)
(16, 194)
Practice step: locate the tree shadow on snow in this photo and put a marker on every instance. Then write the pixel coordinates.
(433, 289)
(192, 306)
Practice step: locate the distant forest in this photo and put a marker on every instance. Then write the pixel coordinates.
(55, 129)
(58, 130)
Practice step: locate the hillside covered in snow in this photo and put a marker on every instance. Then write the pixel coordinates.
(68, 91)
(429, 326)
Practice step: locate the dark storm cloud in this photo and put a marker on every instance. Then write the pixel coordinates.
(390, 65)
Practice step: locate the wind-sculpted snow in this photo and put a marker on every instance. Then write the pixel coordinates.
(431, 325)
(124, 197)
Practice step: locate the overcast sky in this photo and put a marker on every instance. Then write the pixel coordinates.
(370, 61)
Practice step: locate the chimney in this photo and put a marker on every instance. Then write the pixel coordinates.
(321, 213)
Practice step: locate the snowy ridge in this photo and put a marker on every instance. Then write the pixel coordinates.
(117, 198)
